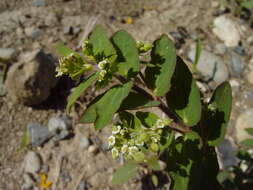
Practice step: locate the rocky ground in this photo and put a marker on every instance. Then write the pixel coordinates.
(74, 156)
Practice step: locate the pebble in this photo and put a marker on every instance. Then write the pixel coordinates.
(39, 3)
(227, 31)
(227, 154)
(28, 181)
(7, 54)
(240, 50)
(30, 80)
(60, 126)
(244, 121)
(250, 77)
(38, 134)
(84, 142)
(236, 64)
(32, 162)
(210, 66)
(93, 149)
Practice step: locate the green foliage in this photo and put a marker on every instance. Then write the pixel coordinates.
(111, 100)
(77, 92)
(164, 60)
(128, 57)
(217, 114)
(184, 96)
(124, 173)
(140, 136)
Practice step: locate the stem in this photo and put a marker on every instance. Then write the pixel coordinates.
(176, 124)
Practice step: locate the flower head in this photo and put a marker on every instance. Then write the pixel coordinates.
(111, 140)
(115, 153)
(116, 129)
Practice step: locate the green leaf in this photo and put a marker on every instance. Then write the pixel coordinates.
(63, 50)
(154, 180)
(217, 117)
(101, 112)
(184, 95)
(129, 120)
(250, 131)
(163, 56)
(148, 119)
(128, 57)
(248, 142)
(77, 92)
(101, 45)
(247, 4)
(124, 173)
(197, 54)
(137, 101)
(154, 164)
(190, 167)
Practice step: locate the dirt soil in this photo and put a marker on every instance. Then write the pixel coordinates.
(149, 18)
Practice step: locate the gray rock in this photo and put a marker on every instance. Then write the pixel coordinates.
(240, 50)
(236, 64)
(227, 30)
(36, 33)
(210, 66)
(83, 185)
(39, 3)
(244, 121)
(32, 162)
(84, 142)
(7, 54)
(28, 181)
(60, 127)
(38, 134)
(59, 124)
(29, 82)
(227, 154)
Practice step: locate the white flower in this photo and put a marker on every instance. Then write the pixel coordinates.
(139, 142)
(154, 139)
(124, 148)
(111, 140)
(133, 149)
(102, 64)
(116, 129)
(103, 73)
(115, 153)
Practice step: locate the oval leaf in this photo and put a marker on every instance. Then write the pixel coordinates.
(124, 173)
(128, 57)
(101, 45)
(77, 92)
(137, 101)
(101, 112)
(163, 56)
(216, 121)
(184, 95)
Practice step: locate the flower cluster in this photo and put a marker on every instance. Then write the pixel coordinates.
(143, 47)
(135, 144)
(72, 65)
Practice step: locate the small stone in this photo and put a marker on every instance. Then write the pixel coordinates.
(227, 154)
(38, 134)
(227, 30)
(84, 142)
(244, 121)
(162, 165)
(39, 3)
(240, 50)
(28, 181)
(93, 149)
(250, 77)
(236, 65)
(56, 124)
(30, 81)
(32, 162)
(210, 66)
(62, 135)
(7, 54)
